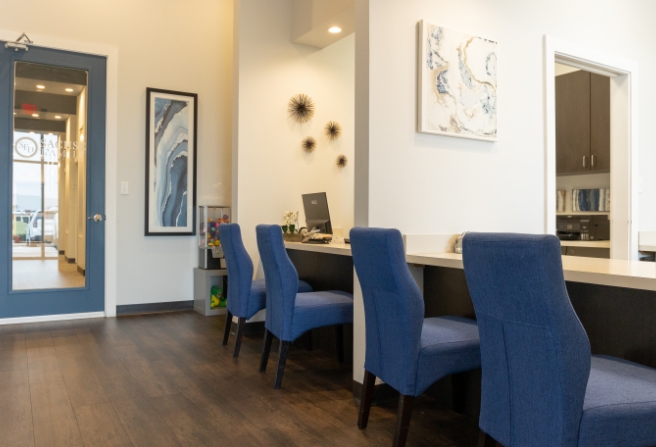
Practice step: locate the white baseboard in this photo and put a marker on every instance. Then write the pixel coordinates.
(48, 318)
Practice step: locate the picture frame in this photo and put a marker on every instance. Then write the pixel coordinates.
(457, 89)
(171, 153)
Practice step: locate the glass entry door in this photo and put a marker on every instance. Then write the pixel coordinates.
(52, 135)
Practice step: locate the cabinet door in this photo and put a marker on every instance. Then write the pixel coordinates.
(599, 123)
(573, 123)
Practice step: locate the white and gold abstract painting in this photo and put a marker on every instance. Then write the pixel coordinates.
(457, 88)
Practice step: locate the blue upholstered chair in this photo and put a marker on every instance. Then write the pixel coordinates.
(541, 386)
(404, 349)
(246, 296)
(291, 313)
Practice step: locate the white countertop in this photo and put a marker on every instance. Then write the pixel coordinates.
(607, 272)
(335, 248)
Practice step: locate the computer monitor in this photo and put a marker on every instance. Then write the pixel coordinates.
(316, 212)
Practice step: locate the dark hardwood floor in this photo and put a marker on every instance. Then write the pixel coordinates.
(165, 380)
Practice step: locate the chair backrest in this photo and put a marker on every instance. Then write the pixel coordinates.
(240, 269)
(534, 351)
(393, 306)
(281, 281)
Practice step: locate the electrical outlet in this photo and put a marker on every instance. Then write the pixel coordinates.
(125, 188)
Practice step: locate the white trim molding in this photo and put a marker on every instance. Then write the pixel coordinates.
(111, 149)
(49, 318)
(624, 138)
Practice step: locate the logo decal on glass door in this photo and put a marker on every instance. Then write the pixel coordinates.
(26, 147)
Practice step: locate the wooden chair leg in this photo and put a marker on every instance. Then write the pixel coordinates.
(266, 348)
(226, 331)
(241, 327)
(365, 399)
(485, 440)
(308, 338)
(403, 420)
(339, 336)
(282, 359)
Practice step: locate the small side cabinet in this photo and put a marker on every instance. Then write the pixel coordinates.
(203, 282)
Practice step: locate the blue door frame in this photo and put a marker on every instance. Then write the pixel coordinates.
(91, 298)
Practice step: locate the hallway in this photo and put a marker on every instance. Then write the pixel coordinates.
(37, 267)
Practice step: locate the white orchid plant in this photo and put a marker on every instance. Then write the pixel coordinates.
(291, 222)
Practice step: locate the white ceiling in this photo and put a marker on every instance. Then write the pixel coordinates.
(312, 18)
(561, 69)
(42, 115)
(58, 88)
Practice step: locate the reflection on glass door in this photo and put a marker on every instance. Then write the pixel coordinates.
(49, 177)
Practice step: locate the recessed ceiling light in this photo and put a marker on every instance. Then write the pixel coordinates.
(334, 29)
(69, 90)
(35, 115)
(57, 117)
(40, 87)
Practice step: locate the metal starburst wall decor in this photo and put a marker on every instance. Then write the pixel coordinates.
(301, 108)
(333, 130)
(309, 144)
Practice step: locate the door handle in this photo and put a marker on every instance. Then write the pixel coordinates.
(592, 160)
(585, 165)
(95, 218)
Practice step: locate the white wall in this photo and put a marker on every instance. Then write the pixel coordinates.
(272, 170)
(437, 184)
(71, 188)
(183, 45)
(80, 161)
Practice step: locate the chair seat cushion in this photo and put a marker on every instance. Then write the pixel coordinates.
(257, 298)
(620, 404)
(448, 345)
(317, 309)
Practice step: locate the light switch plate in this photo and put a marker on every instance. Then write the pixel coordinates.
(125, 190)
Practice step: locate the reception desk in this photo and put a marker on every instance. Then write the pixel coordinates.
(614, 299)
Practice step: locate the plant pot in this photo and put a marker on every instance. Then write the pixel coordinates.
(292, 237)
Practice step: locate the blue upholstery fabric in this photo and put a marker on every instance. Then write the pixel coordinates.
(620, 405)
(536, 354)
(404, 350)
(289, 313)
(318, 309)
(448, 345)
(240, 271)
(246, 296)
(257, 297)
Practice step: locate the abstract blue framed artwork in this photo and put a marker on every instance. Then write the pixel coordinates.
(457, 85)
(170, 163)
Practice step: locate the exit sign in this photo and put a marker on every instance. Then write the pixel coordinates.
(29, 108)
